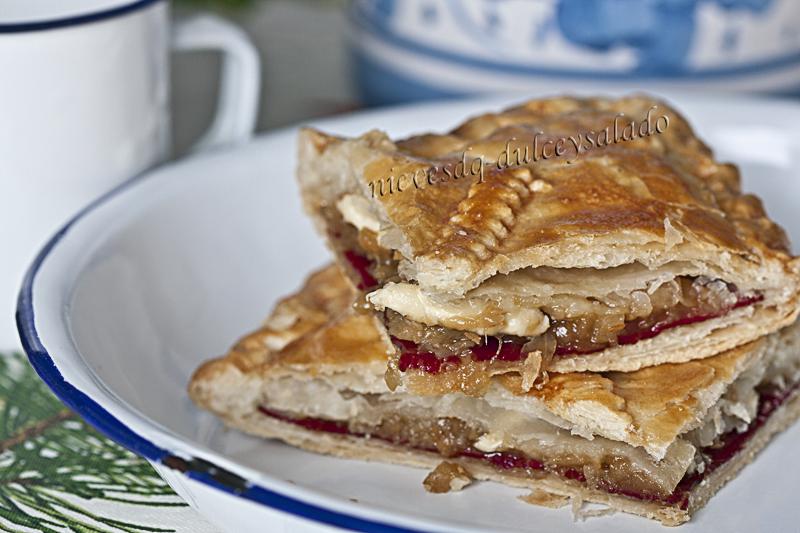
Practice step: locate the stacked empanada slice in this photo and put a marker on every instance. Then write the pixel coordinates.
(629, 255)
(657, 442)
(613, 324)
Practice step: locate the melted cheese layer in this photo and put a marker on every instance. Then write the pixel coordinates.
(479, 315)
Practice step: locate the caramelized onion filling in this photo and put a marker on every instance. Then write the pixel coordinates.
(432, 349)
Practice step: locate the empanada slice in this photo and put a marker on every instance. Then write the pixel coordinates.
(635, 253)
(658, 442)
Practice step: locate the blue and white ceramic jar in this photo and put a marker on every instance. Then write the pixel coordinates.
(415, 49)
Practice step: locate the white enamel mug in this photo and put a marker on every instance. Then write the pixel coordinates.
(84, 105)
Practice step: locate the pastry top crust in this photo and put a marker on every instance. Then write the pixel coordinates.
(302, 332)
(648, 408)
(654, 199)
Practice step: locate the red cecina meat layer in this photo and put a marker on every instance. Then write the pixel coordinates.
(729, 445)
(361, 265)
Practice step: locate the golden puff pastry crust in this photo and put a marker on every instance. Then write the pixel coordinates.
(314, 331)
(651, 200)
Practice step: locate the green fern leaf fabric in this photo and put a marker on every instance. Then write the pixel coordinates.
(57, 474)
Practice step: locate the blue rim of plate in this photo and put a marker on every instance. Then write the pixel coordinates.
(197, 469)
(18, 27)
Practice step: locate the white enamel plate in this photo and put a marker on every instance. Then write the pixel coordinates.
(167, 271)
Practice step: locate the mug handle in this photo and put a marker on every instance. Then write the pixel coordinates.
(237, 104)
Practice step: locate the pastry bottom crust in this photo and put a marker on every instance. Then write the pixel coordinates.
(352, 447)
